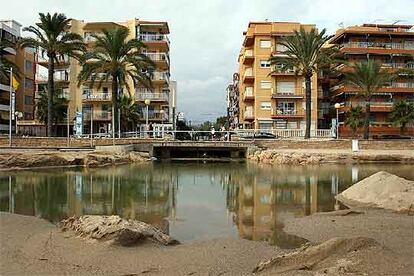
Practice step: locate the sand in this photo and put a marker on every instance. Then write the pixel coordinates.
(380, 190)
(31, 245)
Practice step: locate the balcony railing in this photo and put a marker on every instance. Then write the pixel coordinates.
(96, 96)
(398, 65)
(286, 112)
(151, 96)
(249, 114)
(161, 76)
(154, 37)
(97, 115)
(158, 57)
(61, 59)
(248, 53)
(384, 45)
(153, 115)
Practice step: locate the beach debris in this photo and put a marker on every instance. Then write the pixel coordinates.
(114, 228)
(318, 257)
(380, 190)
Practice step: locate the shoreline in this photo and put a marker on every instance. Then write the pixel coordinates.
(33, 245)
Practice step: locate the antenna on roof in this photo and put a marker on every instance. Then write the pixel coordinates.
(266, 20)
(341, 25)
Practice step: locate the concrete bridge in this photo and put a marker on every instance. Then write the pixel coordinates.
(187, 149)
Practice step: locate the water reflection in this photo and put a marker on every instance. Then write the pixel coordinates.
(190, 201)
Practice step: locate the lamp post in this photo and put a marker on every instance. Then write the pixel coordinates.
(162, 122)
(337, 106)
(147, 103)
(11, 107)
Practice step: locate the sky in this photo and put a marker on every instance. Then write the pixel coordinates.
(206, 35)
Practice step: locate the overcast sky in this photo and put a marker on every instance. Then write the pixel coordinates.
(206, 35)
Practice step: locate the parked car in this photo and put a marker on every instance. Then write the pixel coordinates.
(260, 135)
(391, 137)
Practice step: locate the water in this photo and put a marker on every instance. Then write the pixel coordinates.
(190, 201)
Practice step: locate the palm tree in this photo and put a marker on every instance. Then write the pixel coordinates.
(6, 64)
(402, 113)
(117, 59)
(354, 119)
(59, 107)
(304, 54)
(368, 77)
(52, 38)
(129, 114)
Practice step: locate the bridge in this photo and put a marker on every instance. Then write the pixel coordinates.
(189, 150)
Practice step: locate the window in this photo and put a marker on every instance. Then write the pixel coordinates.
(266, 105)
(286, 108)
(264, 64)
(28, 65)
(265, 44)
(28, 116)
(265, 84)
(28, 100)
(105, 90)
(28, 83)
(286, 87)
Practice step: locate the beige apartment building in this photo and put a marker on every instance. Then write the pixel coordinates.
(10, 31)
(97, 100)
(271, 100)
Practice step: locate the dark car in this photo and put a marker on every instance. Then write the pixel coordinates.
(261, 135)
(391, 137)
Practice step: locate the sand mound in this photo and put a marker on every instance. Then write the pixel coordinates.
(116, 229)
(337, 255)
(380, 190)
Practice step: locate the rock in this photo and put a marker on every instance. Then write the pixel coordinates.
(380, 190)
(115, 229)
(318, 257)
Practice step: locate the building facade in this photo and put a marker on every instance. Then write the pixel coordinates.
(95, 102)
(24, 60)
(391, 45)
(271, 99)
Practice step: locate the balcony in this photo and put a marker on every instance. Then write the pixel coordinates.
(59, 76)
(248, 56)
(248, 76)
(285, 95)
(91, 96)
(154, 115)
(160, 40)
(374, 106)
(62, 61)
(146, 94)
(98, 115)
(377, 47)
(161, 58)
(248, 94)
(286, 113)
(249, 115)
(163, 77)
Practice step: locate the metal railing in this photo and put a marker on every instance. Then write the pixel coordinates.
(286, 112)
(151, 96)
(378, 44)
(154, 37)
(158, 57)
(96, 96)
(161, 76)
(97, 115)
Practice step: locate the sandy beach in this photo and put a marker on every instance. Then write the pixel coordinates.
(31, 245)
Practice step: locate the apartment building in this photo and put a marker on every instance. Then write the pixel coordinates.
(271, 99)
(393, 46)
(96, 101)
(24, 60)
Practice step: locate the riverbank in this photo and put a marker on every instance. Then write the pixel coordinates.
(20, 159)
(33, 246)
(317, 156)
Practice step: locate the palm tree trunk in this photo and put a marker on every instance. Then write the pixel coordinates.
(50, 91)
(308, 92)
(115, 102)
(367, 116)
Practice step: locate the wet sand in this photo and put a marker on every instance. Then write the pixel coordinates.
(34, 246)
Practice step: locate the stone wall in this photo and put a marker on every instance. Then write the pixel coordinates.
(336, 144)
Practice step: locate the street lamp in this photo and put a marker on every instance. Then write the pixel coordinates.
(147, 103)
(337, 106)
(162, 122)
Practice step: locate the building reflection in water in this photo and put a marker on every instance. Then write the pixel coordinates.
(257, 199)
